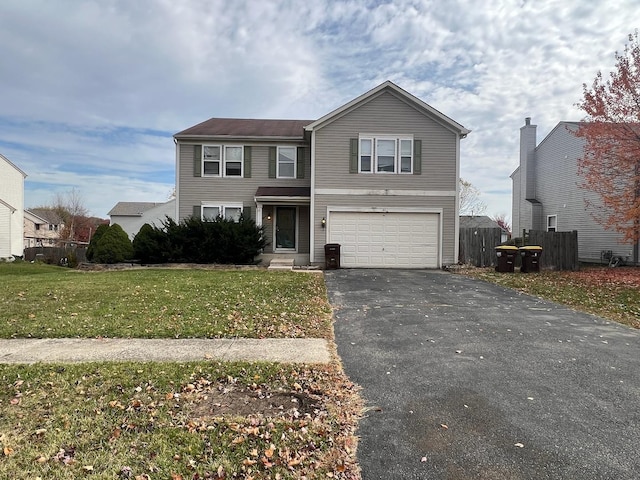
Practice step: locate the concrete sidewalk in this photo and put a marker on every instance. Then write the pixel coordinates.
(287, 350)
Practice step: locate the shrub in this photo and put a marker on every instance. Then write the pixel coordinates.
(151, 245)
(102, 228)
(197, 241)
(113, 246)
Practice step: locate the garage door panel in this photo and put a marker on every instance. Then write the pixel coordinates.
(409, 240)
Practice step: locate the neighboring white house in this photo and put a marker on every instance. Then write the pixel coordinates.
(547, 195)
(131, 216)
(11, 209)
(42, 227)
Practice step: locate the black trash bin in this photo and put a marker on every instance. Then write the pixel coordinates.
(506, 258)
(530, 258)
(331, 256)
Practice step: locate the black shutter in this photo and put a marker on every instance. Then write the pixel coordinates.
(300, 160)
(197, 211)
(197, 160)
(353, 155)
(417, 157)
(273, 152)
(247, 162)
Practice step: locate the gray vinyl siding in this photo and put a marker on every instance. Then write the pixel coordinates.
(195, 190)
(447, 204)
(385, 114)
(559, 192)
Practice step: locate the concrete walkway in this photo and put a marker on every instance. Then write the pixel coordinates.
(288, 350)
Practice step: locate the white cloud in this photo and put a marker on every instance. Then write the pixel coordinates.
(87, 87)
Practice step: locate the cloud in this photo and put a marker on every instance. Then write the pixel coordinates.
(92, 91)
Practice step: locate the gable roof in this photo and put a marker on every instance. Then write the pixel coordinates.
(133, 209)
(246, 128)
(13, 165)
(477, 221)
(389, 86)
(46, 214)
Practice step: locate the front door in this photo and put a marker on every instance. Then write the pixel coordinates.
(285, 226)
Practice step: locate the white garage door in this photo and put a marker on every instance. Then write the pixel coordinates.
(376, 239)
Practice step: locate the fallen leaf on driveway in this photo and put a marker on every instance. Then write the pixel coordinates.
(519, 445)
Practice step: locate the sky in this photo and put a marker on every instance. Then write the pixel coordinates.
(92, 91)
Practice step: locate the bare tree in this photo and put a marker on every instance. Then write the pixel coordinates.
(70, 207)
(470, 202)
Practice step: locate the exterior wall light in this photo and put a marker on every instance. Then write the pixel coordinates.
(323, 222)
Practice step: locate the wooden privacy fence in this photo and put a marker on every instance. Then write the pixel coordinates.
(559, 249)
(56, 255)
(477, 246)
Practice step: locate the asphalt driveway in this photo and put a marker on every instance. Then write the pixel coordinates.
(467, 380)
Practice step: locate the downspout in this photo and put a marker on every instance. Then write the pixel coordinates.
(312, 203)
(177, 183)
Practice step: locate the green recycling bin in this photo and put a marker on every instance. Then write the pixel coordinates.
(530, 258)
(506, 258)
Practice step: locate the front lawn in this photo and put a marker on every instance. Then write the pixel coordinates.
(176, 421)
(46, 301)
(196, 420)
(611, 293)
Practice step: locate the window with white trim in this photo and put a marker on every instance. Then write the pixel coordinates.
(385, 154)
(286, 165)
(366, 155)
(552, 223)
(211, 158)
(210, 212)
(218, 161)
(233, 161)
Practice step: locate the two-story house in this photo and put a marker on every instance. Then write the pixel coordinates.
(547, 194)
(379, 176)
(11, 209)
(42, 227)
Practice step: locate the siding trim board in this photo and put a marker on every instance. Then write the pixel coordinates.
(389, 192)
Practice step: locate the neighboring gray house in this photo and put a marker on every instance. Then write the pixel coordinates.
(379, 176)
(482, 221)
(547, 194)
(131, 216)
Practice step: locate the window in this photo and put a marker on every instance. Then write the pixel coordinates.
(233, 161)
(210, 212)
(220, 161)
(37, 226)
(552, 223)
(366, 152)
(385, 154)
(286, 162)
(211, 160)
(406, 156)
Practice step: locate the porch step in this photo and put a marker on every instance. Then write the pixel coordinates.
(281, 264)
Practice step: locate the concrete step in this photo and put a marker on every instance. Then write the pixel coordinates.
(281, 264)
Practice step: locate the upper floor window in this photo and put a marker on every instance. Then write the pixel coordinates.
(218, 161)
(552, 223)
(286, 162)
(385, 154)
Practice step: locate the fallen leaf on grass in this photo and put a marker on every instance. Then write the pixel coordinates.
(7, 451)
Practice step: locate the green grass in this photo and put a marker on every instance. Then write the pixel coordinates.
(144, 420)
(611, 293)
(45, 301)
(129, 420)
